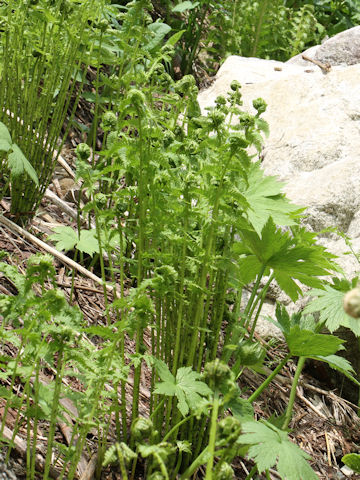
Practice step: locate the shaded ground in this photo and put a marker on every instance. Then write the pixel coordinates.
(324, 424)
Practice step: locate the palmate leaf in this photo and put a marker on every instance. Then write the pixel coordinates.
(88, 242)
(340, 364)
(329, 303)
(264, 195)
(271, 447)
(304, 343)
(291, 258)
(187, 386)
(66, 238)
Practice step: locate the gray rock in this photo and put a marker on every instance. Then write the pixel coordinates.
(314, 141)
(5, 472)
(342, 49)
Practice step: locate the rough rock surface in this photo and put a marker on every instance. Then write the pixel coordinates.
(5, 472)
(342, 49)
(314, 141)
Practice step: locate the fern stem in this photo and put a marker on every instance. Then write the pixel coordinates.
(54, 409)
(263, 8)
(212, 436)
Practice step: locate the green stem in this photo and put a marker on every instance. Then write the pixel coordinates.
(209, 242)
(269, 379)
(212, 436)
(140, 254)
(252, 473)
(260, 298)
(122, 462)
(54, 409)
(263, 8)
(36, 419)
(195, 43)
(253, 292)
(177, 426)
(290, 405)
(199, 460)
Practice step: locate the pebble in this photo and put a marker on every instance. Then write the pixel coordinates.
(5, 472)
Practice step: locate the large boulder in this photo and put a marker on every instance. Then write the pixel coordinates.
(342, 49)
(314, 141)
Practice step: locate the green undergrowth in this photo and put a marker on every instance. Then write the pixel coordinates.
(191, 234)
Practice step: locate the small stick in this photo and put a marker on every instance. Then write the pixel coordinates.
(21, 448)
(310, 405)
(80, 287)
(325, 67)
(60, 256)
(328, 449)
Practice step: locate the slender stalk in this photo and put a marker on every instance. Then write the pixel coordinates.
(210, 239)
(263, 7)
(212, 436)
(176, 427)
(252, 473)
(269, 379)
(36, 420)
(140, 254)
(54, 409)
(195, 43)
(199, 460)
(122, 462)
(262, 297)
(300, 366)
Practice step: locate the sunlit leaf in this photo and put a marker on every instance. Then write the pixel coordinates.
(271, 447)
(183, 6)
(65, 238)
(303, 343)
(187, 386)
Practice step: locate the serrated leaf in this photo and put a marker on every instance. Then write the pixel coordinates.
(187, 386)
(264, 195)
(304, 343)
(263, 126)
(249, 267)
(240, 408)
(291, 257)
(19, 164)
(283, 318)
(329, 303)
(340, 364)
(163, 371)
(88, 242)
(65, 238)
(183, 6)
(271, 447)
